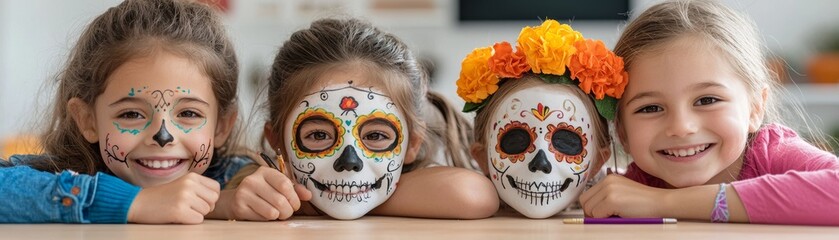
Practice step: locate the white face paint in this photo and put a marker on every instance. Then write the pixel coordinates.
(539, 147)
(347, 145)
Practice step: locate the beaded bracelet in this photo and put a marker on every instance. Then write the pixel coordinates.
(720, 212)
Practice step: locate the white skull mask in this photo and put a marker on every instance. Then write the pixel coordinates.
(539, 148)
(347, 145)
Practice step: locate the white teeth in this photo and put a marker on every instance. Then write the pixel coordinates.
(687, 152)
(158, 164)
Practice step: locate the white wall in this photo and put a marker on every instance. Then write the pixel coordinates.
(35, 36)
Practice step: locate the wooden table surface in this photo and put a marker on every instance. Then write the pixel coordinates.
(504, 226)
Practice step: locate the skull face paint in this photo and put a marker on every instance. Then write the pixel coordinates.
(539, 148)
(347, 145)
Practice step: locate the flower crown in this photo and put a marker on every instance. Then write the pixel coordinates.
(547, 51)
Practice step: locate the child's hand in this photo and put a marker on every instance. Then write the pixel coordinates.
(185, 200)
(617, 195)
(264, 195)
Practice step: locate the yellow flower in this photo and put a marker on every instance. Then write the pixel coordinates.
(549, 47)
(476, 80)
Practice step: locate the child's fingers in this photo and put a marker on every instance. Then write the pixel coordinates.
(602, 210)
(588, 194)
(202, 207)
(303, 193)
(591, 198)
(284, 186)
(278, 200)
(209, 183)
(210, 191)
(264, 210)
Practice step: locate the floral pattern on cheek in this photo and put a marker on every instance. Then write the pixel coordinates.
(202, 157)
(568, 143)
(112, 152)
(515, 140)
(396, 147)
(310, 113)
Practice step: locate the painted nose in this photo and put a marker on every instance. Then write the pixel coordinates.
(162, 137)
(348, 161)
(539, 163)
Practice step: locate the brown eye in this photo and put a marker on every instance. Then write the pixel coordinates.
(131, 115)
(377, 135)
(315, 135)
(189, 114)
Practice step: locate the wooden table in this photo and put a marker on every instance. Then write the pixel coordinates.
(505, 226)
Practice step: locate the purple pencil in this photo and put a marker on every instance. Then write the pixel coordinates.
(619, 221)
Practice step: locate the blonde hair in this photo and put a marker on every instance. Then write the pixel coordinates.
(732, 33)
(132, 29)
(337, 43)
(483, 116)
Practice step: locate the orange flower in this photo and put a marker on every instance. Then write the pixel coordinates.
(476, 80)
(549, 47)
(507, 64)
(598, 69)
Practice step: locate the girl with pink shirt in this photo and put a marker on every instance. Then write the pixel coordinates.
(701, 122)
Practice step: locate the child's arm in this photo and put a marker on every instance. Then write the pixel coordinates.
(795, 197)
(263, 194)
(32, 196)
(441, 192)
(620, 196)
(798, 183)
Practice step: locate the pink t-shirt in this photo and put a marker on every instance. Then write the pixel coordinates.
(784, 180)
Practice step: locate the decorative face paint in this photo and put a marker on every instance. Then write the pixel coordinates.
(539, 149)
(347, 145)
(151, 127)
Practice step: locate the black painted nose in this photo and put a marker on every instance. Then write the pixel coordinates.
(539, 163)
(348, 161)
(162, 137)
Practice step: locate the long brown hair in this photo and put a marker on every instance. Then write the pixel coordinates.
(335, 43)
(133, 29)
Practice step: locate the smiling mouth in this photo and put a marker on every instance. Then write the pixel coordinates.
(159, 164)
(340, 190)
(686, 152)
(539, 193)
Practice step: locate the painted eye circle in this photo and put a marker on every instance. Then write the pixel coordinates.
(379, 134)
(514, 140)
(316, 133)
(568, 143)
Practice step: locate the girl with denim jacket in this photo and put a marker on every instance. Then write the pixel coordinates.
(139, 131)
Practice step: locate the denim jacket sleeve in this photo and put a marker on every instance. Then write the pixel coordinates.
(32, 196)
